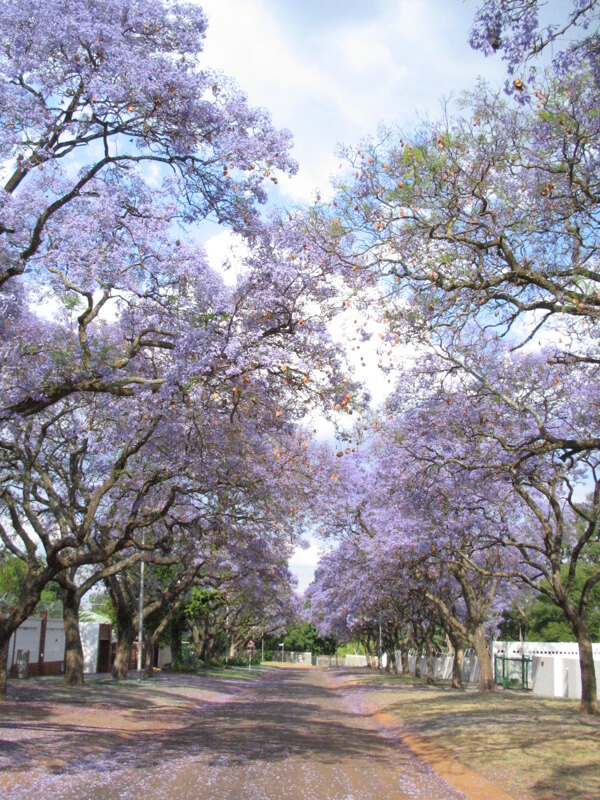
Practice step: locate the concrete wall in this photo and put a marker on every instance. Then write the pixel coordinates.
(355, 661)
(45, 640)
(54, 648)
(90, 638)
(556, 675)
(26, 637)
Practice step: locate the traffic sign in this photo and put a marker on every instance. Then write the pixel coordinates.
(251, 645)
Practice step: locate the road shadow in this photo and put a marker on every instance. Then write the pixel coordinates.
(280, 715)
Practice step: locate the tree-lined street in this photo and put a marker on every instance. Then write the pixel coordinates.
(289, 734)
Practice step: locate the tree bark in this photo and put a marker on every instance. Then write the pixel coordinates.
(589, 689)
(429, 660)
(73, 648)
(208, 651)
(124, 612)
(4, 643)
(175, 633)
(28, 599)
(125, 640)
(457, 665)
(417, 665)
(456, 642)
(392, 665)
(477, 639)
(150, 650)
(404, 657)
(198, 642)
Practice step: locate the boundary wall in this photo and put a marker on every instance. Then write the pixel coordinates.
(555, 670)
(44, 639)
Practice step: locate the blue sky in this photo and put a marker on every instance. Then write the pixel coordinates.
(330, 71)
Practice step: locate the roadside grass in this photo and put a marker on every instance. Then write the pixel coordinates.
(533, 747)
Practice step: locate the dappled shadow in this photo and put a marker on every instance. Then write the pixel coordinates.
(279, 715)
(537, 736)
(583, 783)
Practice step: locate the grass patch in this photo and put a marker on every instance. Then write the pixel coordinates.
(533, 747)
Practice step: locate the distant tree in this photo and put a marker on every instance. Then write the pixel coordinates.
(546, 622)
(101, 604)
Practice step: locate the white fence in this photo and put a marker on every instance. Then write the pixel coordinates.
(555, 665)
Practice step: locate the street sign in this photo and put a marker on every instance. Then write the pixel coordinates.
(251, 645)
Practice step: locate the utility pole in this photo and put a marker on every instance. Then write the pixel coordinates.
(227, 633)
(380, 665)
(141, 615)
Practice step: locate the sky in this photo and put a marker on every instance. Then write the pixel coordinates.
(330, 71)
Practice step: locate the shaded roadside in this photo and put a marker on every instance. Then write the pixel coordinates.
(534, 748)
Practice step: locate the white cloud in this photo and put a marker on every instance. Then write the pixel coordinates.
(332, 78)
(226, 252)
(303, 563)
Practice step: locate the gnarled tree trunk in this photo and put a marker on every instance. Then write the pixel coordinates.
(73, 649)
(124, 611)
(125, 640)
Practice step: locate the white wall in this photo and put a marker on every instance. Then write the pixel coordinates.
(55, 640)
(557, 675)
(164, 655)
(26, 637)
(90, 636)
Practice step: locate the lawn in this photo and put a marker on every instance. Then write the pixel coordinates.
(537, 748)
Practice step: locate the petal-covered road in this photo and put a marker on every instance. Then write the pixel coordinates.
(293, 735)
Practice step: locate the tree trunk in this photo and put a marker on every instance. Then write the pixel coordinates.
(477, 639)
(456, 644)
(73, 649)
(4, 643)
(198, 642)
(404, 658)
(457, 665)
(9, 624)
(150, 649)
(392, 665)
(417, 665)
(429, 660)
(208, 651)
(175, 632)
(125, 626)
(125, 641)
(589, 689)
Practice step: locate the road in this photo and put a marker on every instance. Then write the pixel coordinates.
(293, 735)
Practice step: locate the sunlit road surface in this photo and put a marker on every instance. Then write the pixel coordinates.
(292, 735)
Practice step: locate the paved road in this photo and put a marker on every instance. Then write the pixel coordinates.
(292, 735)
